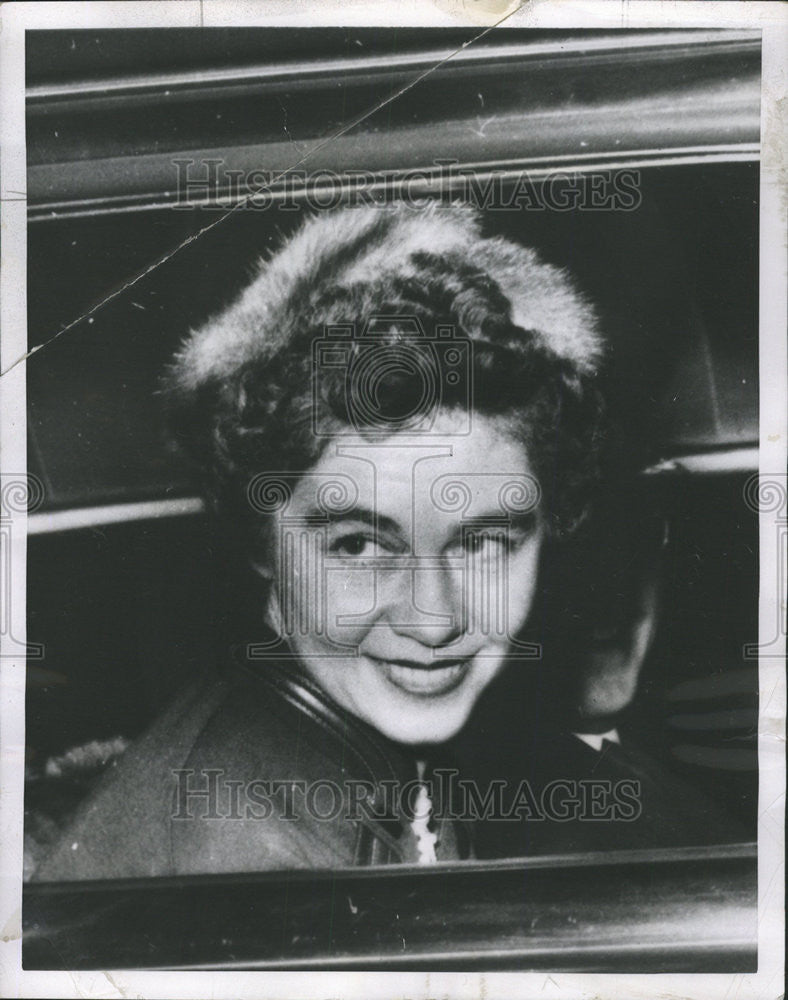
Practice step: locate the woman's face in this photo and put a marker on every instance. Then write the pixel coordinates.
(400, 587)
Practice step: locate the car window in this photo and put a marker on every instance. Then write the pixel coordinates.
(620, 735)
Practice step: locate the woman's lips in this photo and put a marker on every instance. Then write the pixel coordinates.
(424, 679)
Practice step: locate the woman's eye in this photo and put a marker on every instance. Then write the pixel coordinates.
(482, 543)
(355, 545)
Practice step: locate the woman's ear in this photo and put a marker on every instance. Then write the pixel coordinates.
(272, 612)
(261, 568)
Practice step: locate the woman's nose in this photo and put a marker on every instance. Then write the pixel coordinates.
(429, 605)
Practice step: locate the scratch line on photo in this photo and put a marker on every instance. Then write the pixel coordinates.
(343, 130)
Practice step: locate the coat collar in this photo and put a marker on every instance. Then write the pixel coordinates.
(358, 749)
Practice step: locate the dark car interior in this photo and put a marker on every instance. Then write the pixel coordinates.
(127, 585)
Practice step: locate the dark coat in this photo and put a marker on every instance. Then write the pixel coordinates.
(221, 784)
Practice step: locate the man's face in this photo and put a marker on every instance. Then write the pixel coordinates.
(400, 587)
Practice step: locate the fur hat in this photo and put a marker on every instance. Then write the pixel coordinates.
(367, 244)
(241, 391)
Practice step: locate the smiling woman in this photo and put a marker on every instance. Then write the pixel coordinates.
(378, 558)
(395, 588)
(391, 420)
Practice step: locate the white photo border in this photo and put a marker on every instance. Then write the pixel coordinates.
(772, 20)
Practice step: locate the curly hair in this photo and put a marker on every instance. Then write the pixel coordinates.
(245, 392)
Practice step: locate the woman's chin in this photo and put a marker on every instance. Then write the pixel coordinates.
(415, 706)
(421, 732)
(406, 702)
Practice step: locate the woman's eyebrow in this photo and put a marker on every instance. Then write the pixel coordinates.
(521, 521)
(357, 514)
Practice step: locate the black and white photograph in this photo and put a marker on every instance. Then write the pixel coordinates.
(394, 501)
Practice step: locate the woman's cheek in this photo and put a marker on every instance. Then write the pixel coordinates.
(350, 603)
(521, 585)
